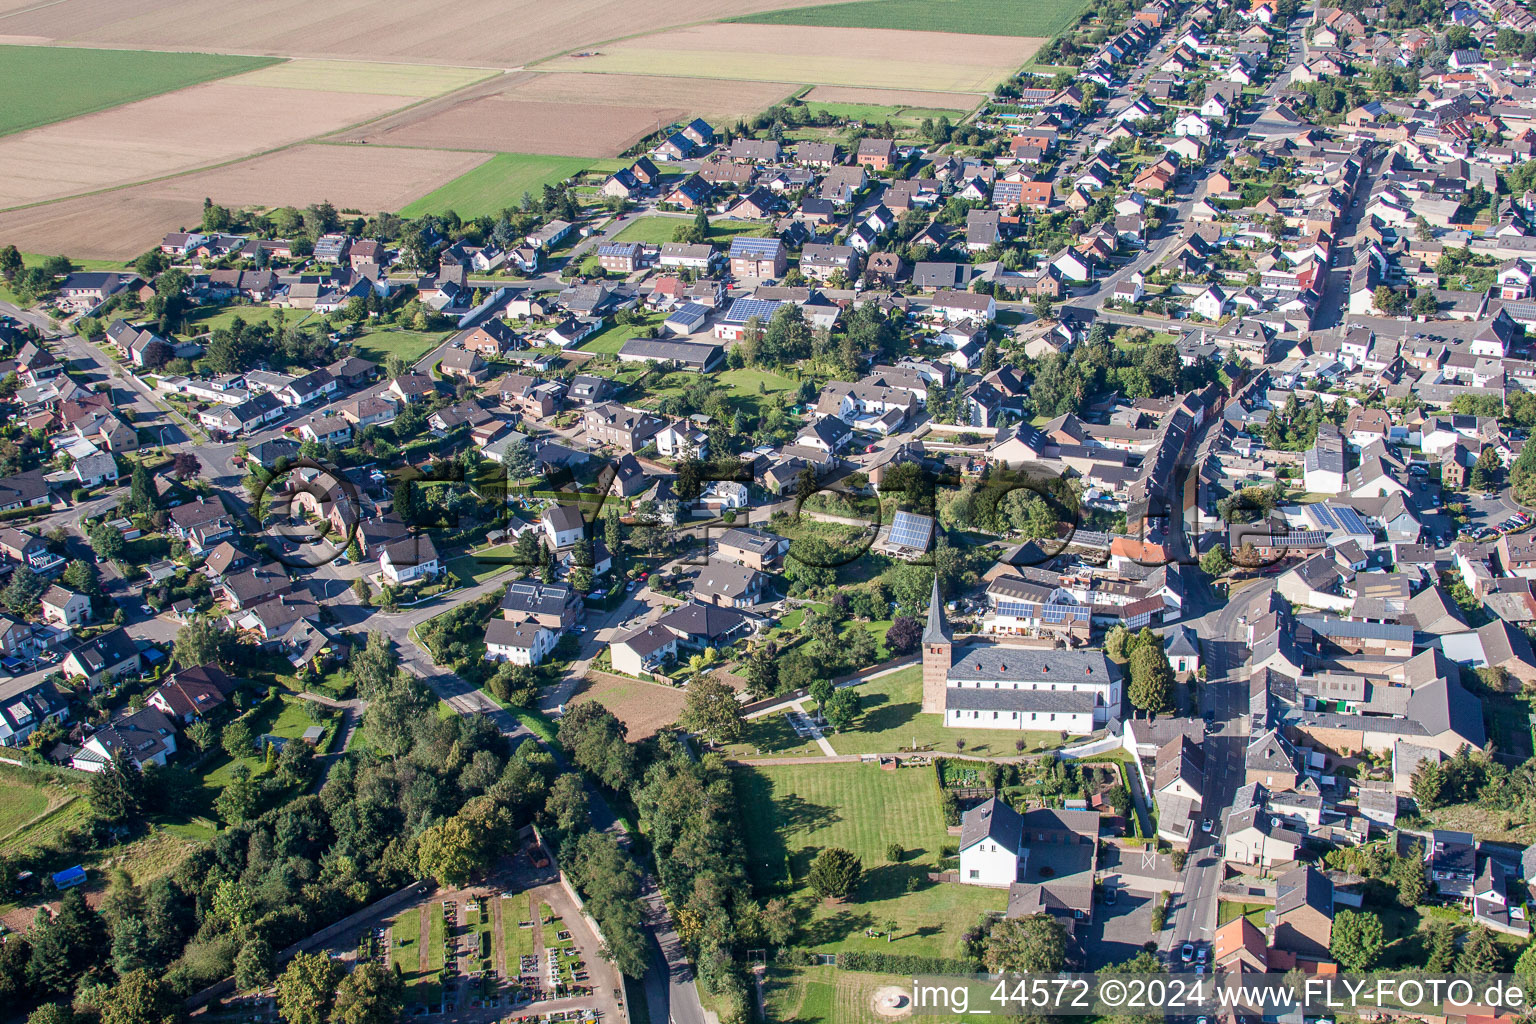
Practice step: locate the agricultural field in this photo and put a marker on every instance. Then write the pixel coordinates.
(644, 708)
(184, 130)
(573, 114)
(85, 81)
(929, 61)
(494, 185)
(116, 225)
(977, 17)
(496, 33)
(790, 813)
(368, 178)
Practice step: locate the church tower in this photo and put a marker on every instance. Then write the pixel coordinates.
(936, 654)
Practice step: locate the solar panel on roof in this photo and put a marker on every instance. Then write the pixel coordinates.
(1323, 517)
(911, 531)
(1349, 519)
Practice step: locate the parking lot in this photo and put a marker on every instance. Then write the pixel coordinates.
(1119, 931)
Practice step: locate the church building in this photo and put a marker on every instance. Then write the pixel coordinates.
(996, 686)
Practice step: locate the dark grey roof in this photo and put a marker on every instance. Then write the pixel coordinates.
(647, 640)
(993, 820)
(988, 663)
(744, 539)
(708, 621)
(1303, 886)
(988, 698)
(1350, 629)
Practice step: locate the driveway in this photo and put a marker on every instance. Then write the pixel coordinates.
(1120, 931)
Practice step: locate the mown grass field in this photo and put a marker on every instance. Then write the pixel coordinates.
(408, 345)
(877, 114)
(497, 184)
(44, 84)
(659, 230)
(890, 720)
(609, 340)
(976, 17)
(791, 813)
(19, 804)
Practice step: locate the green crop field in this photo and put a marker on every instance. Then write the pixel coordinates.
(44, 84)
(975, 17)
(497, 184)
(791, 813)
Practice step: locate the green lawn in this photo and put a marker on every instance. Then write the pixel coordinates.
(827, 995)
(609, 340)
(656, 230)
(790, 813)
(516, 940)
(44, 84)
(20, 802)
(472, 572)
(978, 17)
(876, 114)
(890, 720)
(497, 184)
(33, 259)
(1227, 912)
(206, 319)
(405, 944)
(378, 346)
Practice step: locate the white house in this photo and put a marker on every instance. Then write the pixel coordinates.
(410, 558)
(643, 651)
(563, 525)
(65, 608)
(991, 837)
(1210, 303)
(1183, 649)
(1192, 124)
(521, 643)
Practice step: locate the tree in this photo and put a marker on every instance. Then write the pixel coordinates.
(199, 642)
(1043, 306)
(1036, 945)
(1480, 953)
(185, 465)
(117, 791)
(141, 490)
(903, 636)
(841, 708)
(374, 667)
(83, 577)
(710, 708)
(778, 920)
(835, 873)
(1357, 939)
(141, 998)
(254, 965)
(1216, 562)
(1390, 302)
(108, 542)
(22, 593)
(1408, 876)
(10, 263)
(239, 800)
(1151, 688)
(761, 672)
(371, 994)
(449, 852)
(65, 946)
(307, 988)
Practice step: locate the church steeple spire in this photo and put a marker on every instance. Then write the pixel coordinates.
(937, 642)
(938, 630)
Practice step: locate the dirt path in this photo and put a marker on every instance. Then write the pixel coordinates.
(425, 938)
(498, 940)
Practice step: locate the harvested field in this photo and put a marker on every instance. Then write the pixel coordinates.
(84, 81)
(373, 77)
(644, 708)
(947, 62)
(111, 226)
(497, 33)
(570, 114)
(368, 178)
(122, 223)
(168, 134)
(891, 98)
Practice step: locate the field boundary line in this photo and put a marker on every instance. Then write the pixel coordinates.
(310, 141)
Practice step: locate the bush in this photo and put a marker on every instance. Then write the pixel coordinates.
(898, 963)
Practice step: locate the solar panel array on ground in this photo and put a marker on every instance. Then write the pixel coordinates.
(911, 531)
